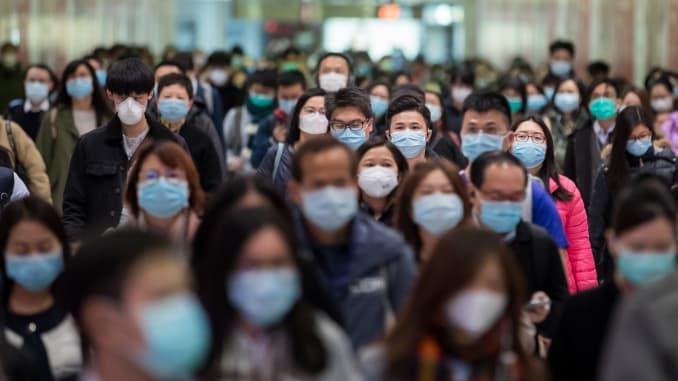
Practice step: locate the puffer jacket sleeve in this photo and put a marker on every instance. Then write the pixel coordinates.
(579, 252)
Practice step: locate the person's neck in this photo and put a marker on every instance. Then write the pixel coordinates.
(249, 328)
(625, 288)
(567, 116)
(132, 131)
(535, 171)
(111, 367)
(606, 124)
(303, 137)
(26, 302)
(82, 104)
(327, 238)
(428, 242)
(36, 106)
(162, 225)
(421, 158)
(174, 126)
(376, 204)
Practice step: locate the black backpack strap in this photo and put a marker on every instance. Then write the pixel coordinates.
(6, 186)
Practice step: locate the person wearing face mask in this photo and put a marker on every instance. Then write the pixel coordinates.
(632, 153)
(80, 108)
(130, 293)
(334, 72)
(274, 128)
(380, 95)
(265, 327)
(240, 123)
(567, 114)
(381, 167)
(307, 122)
(561, 57)
(584, 146)
(408, 128)
(101, 159)
(533, 146)
(366, 267)
(537, 102)
(433, 200)
(442, 141)
(642, 240)
(662, 98)
(39, 82)
(175, 106)
(513, 88)
(11, 74)
(36, 252)
(462, 80)
(486, 127)
(97, 64)
(350, 116)
(218, 84)
(463, 319)
(163, 193)
(498, 182)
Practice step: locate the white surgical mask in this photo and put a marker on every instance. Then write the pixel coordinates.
(130, 111)
(332, 82)
(663, 104)
(459, 94)
(475, 311)
(378, 181)
(314, 124)
(218, 77)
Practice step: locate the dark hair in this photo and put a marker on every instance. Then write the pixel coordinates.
(348, 97)
(549, 168)
(266, 78)
(598, 69)
(407, 102)
(184, 60)
(31, 208)
(514, 83)
(130, 76)
(374, 84)
(562, 45)
(457, 259)
(464, 74)
(486, 101)
(400, 160)
(663, 80)
(408, 88)
(618, 170)
(52, 76)
(481, 163)
(397, 74)
(100, 105)
(215, 268)
(172, 155)
(219, 58)
(294, 132)
(290, 78)
(335, 54)
(602, 81)
(643, 201)
(317, 146)
(101, 266)
(169, 63)
(403, 220)
(176, 79)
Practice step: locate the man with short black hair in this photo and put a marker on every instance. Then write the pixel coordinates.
(349, 112)
(334, 72)
(101, 159)
(408, 128)
(367, 267)
(561, 58)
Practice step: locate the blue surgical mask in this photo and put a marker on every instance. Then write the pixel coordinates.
(603, 108)
(264, 297)
(500, 216)
(79, 88)
(101, 77)
(536, 102)
(287, 105)
(36, 91)
(549, 92)
(177, 337)
(172, 109)
(35, 272)
(474, 145)
(561, 68)
(566, 102)
(163, 198)
(330, 208)
(515, 104)
(379, 105)
(438, 212)
(352, 139)
(642, 267)
(638, 147)
(410, 143)
(436, 112)
(529, 153)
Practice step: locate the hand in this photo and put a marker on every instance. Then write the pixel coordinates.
(539, 313)
(235, 163)
(279, 132)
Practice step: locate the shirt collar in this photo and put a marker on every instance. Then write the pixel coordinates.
(28, 106)
(601, 134)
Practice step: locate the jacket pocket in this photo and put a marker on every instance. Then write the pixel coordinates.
(101, 168)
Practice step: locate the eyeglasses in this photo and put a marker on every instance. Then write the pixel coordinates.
(536, 138)
(354, 125)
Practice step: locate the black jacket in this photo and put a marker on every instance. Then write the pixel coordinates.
(97, 176)
(205, 156)
(660, 162)
(582, 159)
(577, 344)
(29, 121)
(539, 259)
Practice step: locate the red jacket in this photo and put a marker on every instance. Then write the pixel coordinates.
(581, 271)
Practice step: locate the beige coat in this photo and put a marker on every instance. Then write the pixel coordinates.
(28, 155)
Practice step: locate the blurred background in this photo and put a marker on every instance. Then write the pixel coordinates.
(631, 35)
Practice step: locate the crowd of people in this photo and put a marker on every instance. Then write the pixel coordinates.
(221, 218)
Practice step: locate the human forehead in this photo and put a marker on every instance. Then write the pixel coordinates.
(503, 177)
(487, 117)
(174, 89)
(347, 114)
(379, 153)
(530, 126)
(408, 117)
(333, 62)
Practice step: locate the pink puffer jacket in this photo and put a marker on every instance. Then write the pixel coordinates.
(581, 272)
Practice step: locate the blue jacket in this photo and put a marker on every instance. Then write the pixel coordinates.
(545, 214)
(263, 140)
(380, 272)
(284, 174)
